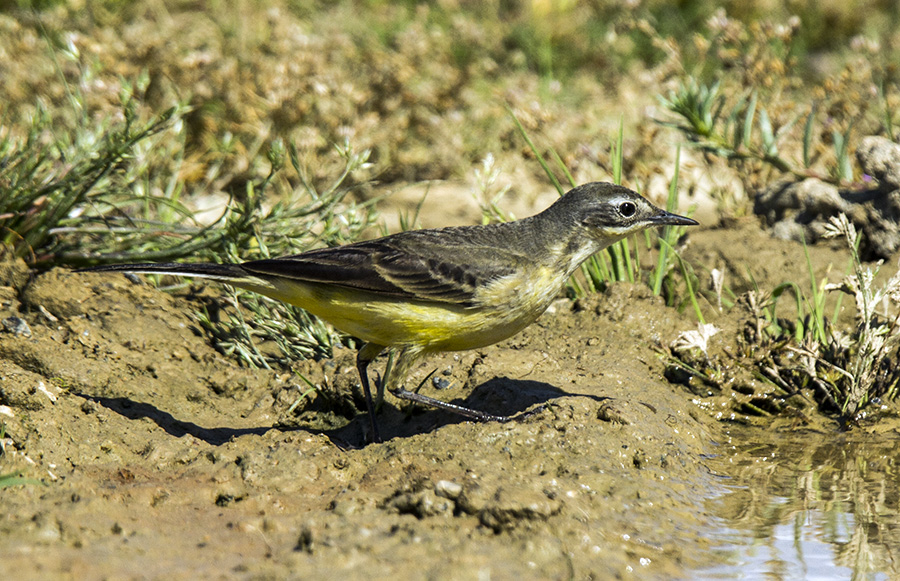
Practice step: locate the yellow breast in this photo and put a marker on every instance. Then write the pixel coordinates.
(503, 308)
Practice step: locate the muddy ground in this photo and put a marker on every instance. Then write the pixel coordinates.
(162, 457)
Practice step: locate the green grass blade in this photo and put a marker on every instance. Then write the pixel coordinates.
(732, 127)
(767, 133)
(562, 167)
(521, 129)
(16, 479)
(669, 232)
(818, 299)
(807, 138)
(692, 295)
(617, 154)
(748, 121)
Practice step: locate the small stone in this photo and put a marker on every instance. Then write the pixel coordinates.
(509, 508)
(440, 383)
(448, 489)
(880, 158)
(422, 504)
(610, 412)
(17, 326)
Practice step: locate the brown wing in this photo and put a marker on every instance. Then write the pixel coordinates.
(447, 265)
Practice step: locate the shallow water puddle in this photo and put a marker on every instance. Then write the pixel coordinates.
(807, 506)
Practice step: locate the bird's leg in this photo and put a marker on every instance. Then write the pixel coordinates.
(402, 393)
(382, 381)
(365, 356)
(404, 361)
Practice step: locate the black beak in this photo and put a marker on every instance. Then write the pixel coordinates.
(664, 218)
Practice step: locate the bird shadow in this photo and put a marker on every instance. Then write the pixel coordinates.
(135, 410)
(501, 396)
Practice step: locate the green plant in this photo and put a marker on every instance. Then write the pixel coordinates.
(45, 187)
(743, 132)
(848, 369)
(844, 370)
(94, 195)
(865, 358)
(16, 479)
(76, 191)
(743, 97)
(736, 134)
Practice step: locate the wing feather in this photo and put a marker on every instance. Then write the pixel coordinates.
(448, 265)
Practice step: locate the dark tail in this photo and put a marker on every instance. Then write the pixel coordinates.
(219, 272)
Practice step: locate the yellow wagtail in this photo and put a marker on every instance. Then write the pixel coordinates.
(445, 289)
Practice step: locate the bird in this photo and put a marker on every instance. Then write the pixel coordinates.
(443, 289)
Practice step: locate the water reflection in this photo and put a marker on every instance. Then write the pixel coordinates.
(798, 507)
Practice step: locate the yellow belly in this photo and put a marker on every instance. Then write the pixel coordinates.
(506, 307)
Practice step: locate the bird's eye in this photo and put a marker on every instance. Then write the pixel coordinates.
(627, 209)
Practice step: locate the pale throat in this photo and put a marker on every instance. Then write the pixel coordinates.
(569, 254)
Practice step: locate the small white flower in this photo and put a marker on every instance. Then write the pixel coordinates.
(718, 283)
(840, 225)
(696, 339)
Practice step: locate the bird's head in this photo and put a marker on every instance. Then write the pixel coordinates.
(607, 213)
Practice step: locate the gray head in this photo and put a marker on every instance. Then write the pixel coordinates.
(606, 212)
